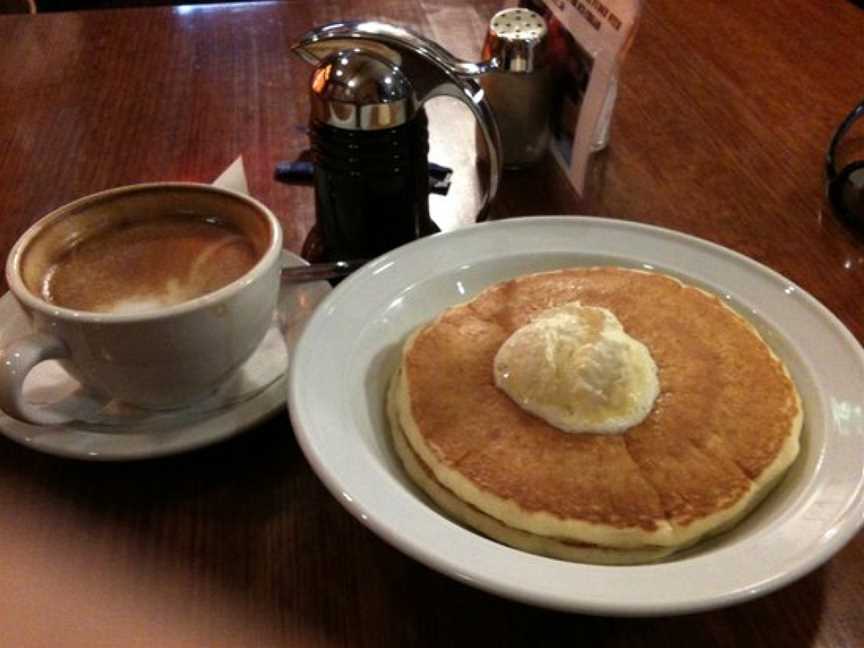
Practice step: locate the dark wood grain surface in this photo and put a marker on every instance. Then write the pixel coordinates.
(724, 114)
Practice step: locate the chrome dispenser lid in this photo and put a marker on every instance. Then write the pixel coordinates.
(516, 41)
(356, 90)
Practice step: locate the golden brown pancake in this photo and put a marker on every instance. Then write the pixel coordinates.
(724, 428)
(422, 475)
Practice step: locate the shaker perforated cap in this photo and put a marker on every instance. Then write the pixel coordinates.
(516, 40)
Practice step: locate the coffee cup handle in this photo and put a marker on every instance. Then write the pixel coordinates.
(17, 360)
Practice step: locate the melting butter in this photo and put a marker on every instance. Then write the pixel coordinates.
(575, 367)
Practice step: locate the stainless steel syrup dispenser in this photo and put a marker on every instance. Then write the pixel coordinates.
(369, 136)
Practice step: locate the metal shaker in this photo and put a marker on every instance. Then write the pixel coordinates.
(518, 84)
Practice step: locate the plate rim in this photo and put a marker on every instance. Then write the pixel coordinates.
(432, 559)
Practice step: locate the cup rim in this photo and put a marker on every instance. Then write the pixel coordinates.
(22, 293)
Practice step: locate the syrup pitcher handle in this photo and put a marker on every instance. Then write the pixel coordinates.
(431, 70)
(470, 93)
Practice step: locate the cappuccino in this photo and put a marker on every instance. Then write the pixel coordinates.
(153, 295)
(140, 265)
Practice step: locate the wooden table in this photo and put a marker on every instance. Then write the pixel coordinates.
(720, 131)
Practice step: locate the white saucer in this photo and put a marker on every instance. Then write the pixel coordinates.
(116, 433)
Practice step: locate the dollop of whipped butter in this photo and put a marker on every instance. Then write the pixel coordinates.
(576, 368)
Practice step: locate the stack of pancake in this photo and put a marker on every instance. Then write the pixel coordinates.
(722, 431)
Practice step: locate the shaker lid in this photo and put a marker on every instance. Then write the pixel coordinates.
(356, 90)
(516, 40)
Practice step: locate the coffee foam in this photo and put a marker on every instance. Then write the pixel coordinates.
(136, 305)
(143, 265)
(170, 294)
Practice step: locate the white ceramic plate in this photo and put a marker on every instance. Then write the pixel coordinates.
(255, 393)
(346, 355)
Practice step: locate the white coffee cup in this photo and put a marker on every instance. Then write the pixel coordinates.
(163, 358)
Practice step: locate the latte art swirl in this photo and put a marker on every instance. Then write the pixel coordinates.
(141, 266)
